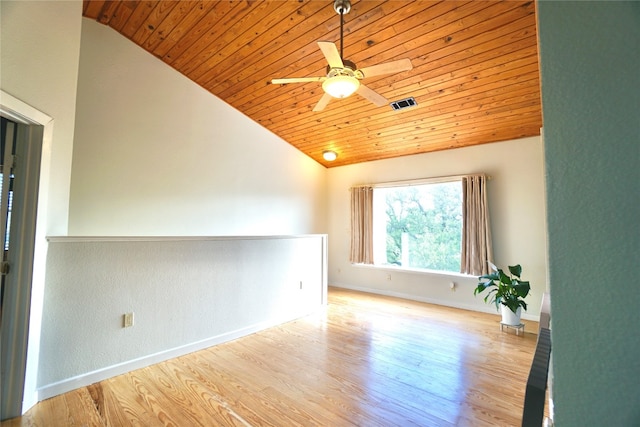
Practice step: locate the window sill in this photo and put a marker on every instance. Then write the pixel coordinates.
(421, 271)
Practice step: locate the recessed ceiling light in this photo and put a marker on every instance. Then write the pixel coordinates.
(329, 155)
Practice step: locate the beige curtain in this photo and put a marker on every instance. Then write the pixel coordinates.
(361, 225)
(476, 235)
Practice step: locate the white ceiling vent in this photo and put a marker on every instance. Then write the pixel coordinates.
(403, 103)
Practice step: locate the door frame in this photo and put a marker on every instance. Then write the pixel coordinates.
(25, 352)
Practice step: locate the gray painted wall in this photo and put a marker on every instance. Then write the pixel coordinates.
(590, 62)
(185, 293)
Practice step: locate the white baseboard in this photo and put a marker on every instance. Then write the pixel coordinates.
(64, 386)
(446, 303)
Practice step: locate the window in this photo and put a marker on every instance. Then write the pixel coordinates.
(439, 224)
(418, 226)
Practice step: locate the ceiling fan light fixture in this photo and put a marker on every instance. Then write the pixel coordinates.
(329, 155)
(341, 86)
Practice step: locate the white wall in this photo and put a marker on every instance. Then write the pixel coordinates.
(155, 154)
(517, 214)
(40, 47)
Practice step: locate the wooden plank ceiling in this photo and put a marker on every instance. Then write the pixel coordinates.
(475, 72)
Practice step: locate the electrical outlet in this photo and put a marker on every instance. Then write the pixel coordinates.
(452, 285)
(127, 320)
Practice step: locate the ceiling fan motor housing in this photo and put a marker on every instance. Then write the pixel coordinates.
(347, 65)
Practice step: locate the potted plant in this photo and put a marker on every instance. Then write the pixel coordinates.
(506, 291)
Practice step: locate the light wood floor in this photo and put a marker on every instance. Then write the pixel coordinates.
(366, 361)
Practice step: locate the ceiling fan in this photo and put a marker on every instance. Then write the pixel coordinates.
(343, 78)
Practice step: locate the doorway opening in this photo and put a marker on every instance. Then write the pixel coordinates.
(7, 155)
(22, 134)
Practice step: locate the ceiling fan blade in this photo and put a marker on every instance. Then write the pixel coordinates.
(330, 51)
(323, 102)
(387, 68)
(297, 80)
(372, 95)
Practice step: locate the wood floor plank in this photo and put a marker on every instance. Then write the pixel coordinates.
(383, 386)
(192, 410)
(331, 388)
(365, 360)
(123, 403)
(225, 389)
(81, 409)
(111, 411)
(261, 375)
(211, 407)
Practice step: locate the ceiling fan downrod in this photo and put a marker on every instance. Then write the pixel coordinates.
(342, 7)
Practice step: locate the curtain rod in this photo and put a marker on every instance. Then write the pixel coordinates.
(420, 180)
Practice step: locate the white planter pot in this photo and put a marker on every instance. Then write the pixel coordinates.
(509, 317)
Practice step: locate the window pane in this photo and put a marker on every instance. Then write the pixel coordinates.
(419, 226)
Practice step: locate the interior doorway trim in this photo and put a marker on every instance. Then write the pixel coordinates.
(31, 327)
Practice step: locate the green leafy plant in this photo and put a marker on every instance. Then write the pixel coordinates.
(505, 289)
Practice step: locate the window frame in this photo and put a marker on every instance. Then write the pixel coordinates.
(380, 248)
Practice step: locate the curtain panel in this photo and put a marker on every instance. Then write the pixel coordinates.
(477, 251)
(361, 225)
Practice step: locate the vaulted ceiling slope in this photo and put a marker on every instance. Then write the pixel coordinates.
(475, 72)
